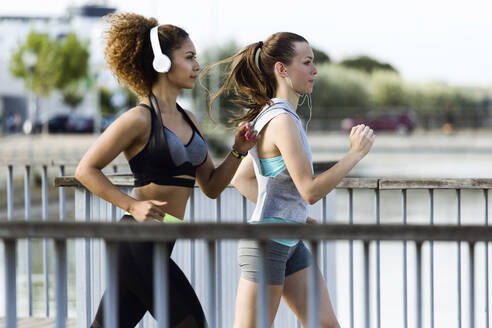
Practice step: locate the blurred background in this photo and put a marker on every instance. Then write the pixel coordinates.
(419, 73)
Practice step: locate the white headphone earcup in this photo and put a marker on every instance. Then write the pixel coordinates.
(161, 63)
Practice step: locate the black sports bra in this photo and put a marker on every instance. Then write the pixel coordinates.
(155, 162)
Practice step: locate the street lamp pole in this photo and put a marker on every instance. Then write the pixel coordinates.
(30, 58)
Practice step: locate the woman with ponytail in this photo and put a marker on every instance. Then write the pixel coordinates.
(267, 79)
(166, 153)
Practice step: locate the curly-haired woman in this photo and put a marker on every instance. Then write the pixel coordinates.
(166, 153)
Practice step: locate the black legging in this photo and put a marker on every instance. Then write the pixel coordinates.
(136, 288)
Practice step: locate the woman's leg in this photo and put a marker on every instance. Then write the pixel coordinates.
(245, 313)
(295, 291)
(248, 255)
(131, 306)
(135, 280)
(186, 310)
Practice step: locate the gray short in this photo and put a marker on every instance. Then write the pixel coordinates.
(281, 260)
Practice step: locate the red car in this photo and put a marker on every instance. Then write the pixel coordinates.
(401, 122)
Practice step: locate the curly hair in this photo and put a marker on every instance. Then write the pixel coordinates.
(128, 51)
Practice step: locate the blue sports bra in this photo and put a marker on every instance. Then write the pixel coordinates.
(165, 157)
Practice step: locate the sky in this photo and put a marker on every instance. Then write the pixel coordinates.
(425, 40)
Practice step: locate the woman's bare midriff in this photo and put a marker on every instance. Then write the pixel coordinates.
(175, 196)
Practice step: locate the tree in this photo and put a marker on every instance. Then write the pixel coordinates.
(61, 64)
(72, 69)
(39, 76)
(367, 64)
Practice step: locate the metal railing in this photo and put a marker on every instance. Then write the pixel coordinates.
(372, 311)
(111, 233)
(27, 170)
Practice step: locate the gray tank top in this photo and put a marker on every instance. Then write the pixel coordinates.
(278, 196)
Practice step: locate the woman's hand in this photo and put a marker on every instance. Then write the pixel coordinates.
(310, 220)
(245, 138)
(144, 210)
(361, 139)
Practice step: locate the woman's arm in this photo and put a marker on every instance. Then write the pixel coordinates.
(245, 179)
(213, 180)
(120, 136)
(285, 135)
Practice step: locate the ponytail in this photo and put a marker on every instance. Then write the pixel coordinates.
(251, 77)
(245, 80)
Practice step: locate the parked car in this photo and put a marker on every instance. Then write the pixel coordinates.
(55, 124)
(401, 122)
(80, 124)
(58, 123)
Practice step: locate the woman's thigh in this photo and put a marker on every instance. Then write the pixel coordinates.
(246, 303)
(295, 294)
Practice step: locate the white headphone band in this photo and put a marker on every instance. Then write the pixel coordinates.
(161, 62)
(154, 40)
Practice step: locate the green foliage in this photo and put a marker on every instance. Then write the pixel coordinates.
(366, 64)
(387, 89)
(72, 61)
(320, 57)
(72, 95)
(40, 78)
(337, 87)
(59, 64)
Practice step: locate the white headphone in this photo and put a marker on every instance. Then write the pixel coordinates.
(161, 62)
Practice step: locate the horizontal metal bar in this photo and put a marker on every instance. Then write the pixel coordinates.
(127, 180)
(159, 232)
(435, 183)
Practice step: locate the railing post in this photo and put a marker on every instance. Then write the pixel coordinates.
(244, 209)
(27, 210)
(212, 282)
(367, 287)
(471, 249)
(10, 192)
(418, 284)
(431, 216)
(313, 294)
(87, 241)
(405, 261)
(61, 283)
(61, 196)
(262, 304)
(218, 219)
(192, 241)
(44, 196)
(458, 205)
(110, 306)
(378, 260)
(351, 257)
(10, 284)
(486, 203)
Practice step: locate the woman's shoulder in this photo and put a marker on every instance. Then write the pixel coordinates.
(138, 119)
(278, 112)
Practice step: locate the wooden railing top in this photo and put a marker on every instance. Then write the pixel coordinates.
(126, 180)
(118, 231)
